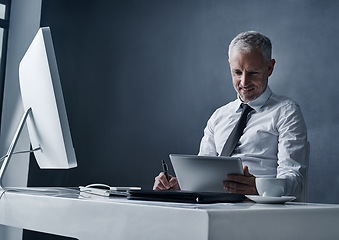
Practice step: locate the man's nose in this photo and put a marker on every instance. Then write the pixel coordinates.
(245, 81)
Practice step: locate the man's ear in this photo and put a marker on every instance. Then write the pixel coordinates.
(271, 67)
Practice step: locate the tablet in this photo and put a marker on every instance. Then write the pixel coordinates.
(204, 173)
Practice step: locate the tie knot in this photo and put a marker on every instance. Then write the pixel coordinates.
(245, 109)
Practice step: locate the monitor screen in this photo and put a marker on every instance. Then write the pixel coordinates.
(42, 94)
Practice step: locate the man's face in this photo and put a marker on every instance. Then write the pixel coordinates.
(249, 73)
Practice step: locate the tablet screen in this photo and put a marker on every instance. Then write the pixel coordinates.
(204, 173)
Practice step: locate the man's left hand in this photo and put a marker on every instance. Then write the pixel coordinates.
(241, 184)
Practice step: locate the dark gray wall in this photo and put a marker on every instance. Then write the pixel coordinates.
(141, 78)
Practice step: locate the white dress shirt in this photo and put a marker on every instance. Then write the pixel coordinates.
(274, 142)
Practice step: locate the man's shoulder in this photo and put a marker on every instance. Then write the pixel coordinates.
(282, 101)
(224, 110)
(231, 106)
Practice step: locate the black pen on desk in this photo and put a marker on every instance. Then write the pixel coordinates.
(165, 169)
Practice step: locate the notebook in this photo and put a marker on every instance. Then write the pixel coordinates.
(184, 196)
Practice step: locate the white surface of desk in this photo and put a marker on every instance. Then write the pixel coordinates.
(117, 218)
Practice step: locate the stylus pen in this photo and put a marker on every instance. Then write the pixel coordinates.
(165, 169)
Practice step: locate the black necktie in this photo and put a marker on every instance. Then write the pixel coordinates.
(237, 131)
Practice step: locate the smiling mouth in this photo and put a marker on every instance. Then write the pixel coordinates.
(246, 90)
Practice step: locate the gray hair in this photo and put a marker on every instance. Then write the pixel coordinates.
(249, 40)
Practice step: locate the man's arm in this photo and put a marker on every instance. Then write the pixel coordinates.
(207, 144)
(292, 148)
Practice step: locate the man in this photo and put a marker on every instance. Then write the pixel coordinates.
(274, 141)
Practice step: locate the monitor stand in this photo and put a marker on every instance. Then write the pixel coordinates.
(10, 151)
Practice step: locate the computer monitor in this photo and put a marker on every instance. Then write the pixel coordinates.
(45, 112)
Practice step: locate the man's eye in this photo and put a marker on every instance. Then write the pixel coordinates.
(237, 73)
(253, 73)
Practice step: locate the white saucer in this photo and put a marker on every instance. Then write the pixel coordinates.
(260, 199)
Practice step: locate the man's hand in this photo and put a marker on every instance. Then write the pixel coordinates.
(161, 183)
(241, 184)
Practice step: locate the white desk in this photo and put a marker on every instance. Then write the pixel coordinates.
(117, 218)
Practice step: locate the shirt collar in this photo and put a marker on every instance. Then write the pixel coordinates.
(257, 103)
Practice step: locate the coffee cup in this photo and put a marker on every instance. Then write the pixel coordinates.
(270, 187)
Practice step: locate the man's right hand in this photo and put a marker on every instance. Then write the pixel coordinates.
(161, 183)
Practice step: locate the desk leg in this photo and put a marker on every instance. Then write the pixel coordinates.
(10, 233)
